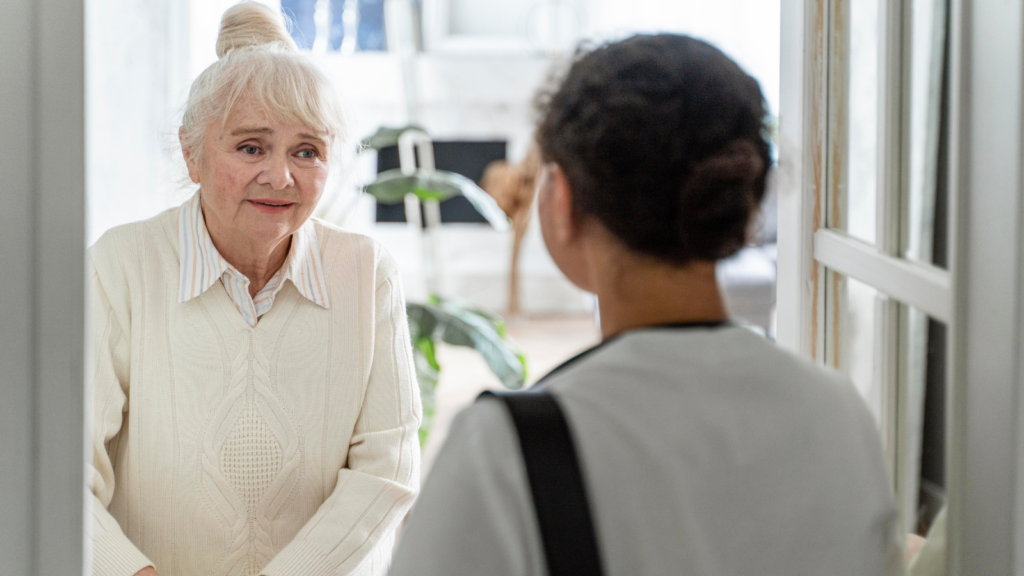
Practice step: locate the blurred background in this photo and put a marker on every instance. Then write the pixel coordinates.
(466, 72)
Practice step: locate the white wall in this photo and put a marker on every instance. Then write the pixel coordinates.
(136, 81)
(746, 30)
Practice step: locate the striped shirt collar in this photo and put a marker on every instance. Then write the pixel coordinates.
(202, 266)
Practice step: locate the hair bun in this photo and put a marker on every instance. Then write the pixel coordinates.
(740, 161)
(720, 196)
(249, 24)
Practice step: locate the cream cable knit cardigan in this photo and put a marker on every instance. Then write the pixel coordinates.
(223, 449)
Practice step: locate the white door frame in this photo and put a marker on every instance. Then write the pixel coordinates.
(981, 297)
(986, 461)
(42, 268)
(801, 137)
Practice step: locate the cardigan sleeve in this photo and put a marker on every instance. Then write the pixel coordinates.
(113, 553)
(353, 530)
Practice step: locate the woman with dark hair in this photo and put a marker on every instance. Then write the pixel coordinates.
(702, 448)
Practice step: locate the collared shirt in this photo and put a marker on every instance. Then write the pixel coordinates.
(202, 266)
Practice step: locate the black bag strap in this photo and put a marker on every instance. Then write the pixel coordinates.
(556, 482)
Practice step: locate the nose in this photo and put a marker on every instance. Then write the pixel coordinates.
(276, 172)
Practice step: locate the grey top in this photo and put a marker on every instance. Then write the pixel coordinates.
(706, 451)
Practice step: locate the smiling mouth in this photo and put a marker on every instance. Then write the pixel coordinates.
(271, 206)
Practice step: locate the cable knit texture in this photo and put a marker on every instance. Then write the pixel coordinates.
(219, 448)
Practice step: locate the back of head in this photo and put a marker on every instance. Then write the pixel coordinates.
(259, 61)
(662, 139)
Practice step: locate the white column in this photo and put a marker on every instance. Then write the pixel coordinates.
(42, 243)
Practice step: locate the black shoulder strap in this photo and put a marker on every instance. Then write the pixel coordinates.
(556, 481)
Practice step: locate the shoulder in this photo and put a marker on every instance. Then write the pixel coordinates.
(125, 258)
(719, 365)
(486, 426)
(482, 446)
(814, 387)
(481, 456)
(475, 513)
(730, 352)
(118, 250)
(342, 249)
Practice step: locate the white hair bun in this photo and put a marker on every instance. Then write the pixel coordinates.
(251, 24)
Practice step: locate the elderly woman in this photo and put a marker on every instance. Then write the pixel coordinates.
(255, 408)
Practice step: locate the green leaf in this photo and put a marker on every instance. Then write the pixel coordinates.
(391, 187)
(422, 321)
(427, 375)
(459, 325)
(385, 137)
(455, 304)
(428, 351)
(423, 194)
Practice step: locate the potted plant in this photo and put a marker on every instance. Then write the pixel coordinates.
(441, 319)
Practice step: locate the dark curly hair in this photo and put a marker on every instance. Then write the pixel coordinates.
(663, 139)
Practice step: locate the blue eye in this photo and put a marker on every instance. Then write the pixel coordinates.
(250, 150)
(308, 154)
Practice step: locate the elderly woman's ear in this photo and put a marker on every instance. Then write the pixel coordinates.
(193, 170)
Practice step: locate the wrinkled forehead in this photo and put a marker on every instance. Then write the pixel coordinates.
(250, 116)
(270, 105)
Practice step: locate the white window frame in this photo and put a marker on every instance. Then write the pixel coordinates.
(981, 296)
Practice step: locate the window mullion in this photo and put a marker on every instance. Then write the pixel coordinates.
(885, 375)
(891, 176)
(891, 129)
(831, 299)
(920, 285)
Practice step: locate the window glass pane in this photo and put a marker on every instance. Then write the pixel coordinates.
(339, 25)
(926, 418)
(856, 346)
(858, 193)
(300, 14)
(918, 414)
(926, 196)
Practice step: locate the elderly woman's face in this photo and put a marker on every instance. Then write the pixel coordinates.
(261, 179)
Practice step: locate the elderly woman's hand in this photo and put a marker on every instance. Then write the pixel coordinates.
(147, 571)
